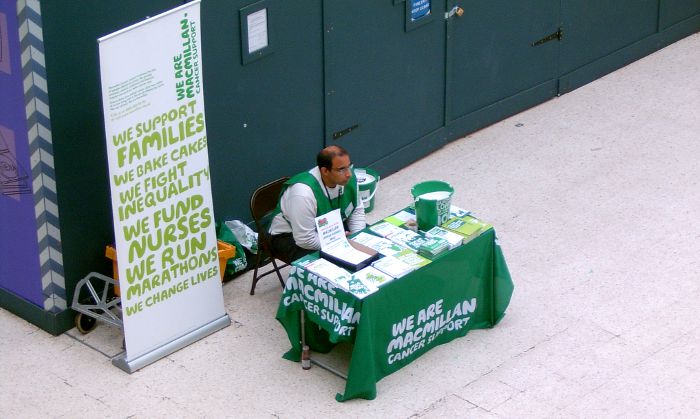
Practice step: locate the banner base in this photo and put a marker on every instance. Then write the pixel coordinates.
(131, 365)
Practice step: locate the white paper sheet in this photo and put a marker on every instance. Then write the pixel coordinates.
(331, 234)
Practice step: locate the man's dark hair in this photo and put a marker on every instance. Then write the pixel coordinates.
(324, 158)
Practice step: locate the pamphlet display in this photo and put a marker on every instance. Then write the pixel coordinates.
(335, 245)
(393, 246)
(463, 289)
(426, 289)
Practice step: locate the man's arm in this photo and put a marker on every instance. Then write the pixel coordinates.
(356, 221)
(299, 208)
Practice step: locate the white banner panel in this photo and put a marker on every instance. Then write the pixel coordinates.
(159, 174)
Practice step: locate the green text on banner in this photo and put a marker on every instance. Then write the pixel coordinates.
(161, 193)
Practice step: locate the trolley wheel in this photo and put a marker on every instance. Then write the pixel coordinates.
(85, 324)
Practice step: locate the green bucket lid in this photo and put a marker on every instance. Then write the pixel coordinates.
(431, 186)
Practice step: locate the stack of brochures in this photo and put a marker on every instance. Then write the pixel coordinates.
(359, 288)
(403, 248)
(458, 212)
(329, 271)
(407, 238)
(384, 228)
(392, 266)
(433, 246)
(412, 258)
(340, 277)
(384, 246)
(373, 276)
(466, 226)
(402, 218)
(452, 238)
(420, 243)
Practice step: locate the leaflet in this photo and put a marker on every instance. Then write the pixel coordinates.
(401, 218)
(384, 228)
(373, 276)
(334, 243)
(380, 244)
(330, 272)
(412, 258)
(452, 238)
(392, 266)
(458, 212)
(358, 287)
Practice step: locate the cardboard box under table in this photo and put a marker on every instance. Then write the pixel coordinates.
(225, 252)
(466, 288)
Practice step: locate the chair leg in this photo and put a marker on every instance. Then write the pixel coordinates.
(277, 271)
(255, 273)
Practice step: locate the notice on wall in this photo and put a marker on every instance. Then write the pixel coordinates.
(159, 175)
(257, 30)
(419, 9)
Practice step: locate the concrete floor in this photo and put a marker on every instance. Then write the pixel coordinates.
(596, 202)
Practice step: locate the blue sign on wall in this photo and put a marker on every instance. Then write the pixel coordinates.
(419, 9)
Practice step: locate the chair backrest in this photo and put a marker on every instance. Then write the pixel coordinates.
(264, 200)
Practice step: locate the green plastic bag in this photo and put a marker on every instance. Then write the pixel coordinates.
(238, 262)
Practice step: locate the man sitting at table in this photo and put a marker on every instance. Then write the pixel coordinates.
(310, 194)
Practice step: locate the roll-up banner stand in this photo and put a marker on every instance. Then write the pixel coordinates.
(156, 136)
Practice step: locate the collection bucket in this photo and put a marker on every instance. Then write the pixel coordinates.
(367, 183)
(432, 200)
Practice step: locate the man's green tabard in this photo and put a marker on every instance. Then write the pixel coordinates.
(347, 201)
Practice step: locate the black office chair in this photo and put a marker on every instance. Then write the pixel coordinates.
(262, 202)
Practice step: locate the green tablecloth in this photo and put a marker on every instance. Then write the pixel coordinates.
(467, 288)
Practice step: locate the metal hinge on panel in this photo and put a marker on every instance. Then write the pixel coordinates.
(455, 11)
(558, 35)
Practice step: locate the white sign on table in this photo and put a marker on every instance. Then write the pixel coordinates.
(331, 234)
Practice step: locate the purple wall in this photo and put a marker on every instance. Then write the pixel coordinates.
(19, 258)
